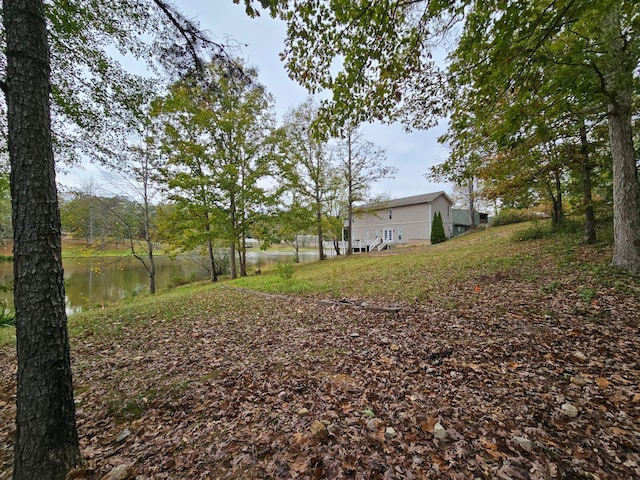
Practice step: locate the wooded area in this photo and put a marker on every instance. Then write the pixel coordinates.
(542, 99)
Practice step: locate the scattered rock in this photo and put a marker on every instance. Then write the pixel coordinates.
(390, 433)
(579, 357)
(283, 396)
(569, 410)
(121, 472)
(303, 411)
(354, 335)
(122, 435)
(374, 424)
(394, 347)
(580, 381)
(439, 431)
(319, 431)
(524, 443)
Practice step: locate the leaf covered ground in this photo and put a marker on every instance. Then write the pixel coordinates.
(529, 369)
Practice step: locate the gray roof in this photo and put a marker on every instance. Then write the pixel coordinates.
(400, 202)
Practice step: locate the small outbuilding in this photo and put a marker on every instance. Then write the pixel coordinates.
(462, 221)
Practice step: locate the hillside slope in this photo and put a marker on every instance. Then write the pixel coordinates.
(483, 357)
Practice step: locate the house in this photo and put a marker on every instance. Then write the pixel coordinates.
(461, 223)
(399, 221)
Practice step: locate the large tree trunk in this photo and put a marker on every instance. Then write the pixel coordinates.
(46, 444)
(152, 268)
(626, 190)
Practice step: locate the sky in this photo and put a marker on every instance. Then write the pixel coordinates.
(260, 41)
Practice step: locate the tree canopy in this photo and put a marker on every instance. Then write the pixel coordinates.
(519, 74)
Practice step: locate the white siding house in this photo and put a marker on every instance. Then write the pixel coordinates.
(400, 221)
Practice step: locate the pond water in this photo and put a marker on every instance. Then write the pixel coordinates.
(91, 282)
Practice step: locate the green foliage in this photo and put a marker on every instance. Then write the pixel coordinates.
(508, 216)
(310, 173)
(437, 229)
(529, 88)
(552, 287)
(285, 270)
(7, 316)
(219, 149)
(545, 229)
(587, 294)
(179, 280)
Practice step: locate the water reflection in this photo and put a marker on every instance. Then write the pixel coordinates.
(92, 282)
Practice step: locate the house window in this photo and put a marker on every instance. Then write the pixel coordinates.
(448, 211)
(377, 234)
(390, 214)
(399, 234)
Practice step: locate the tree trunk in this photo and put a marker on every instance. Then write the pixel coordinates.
(472, 204)
(558, 217)
(626, 190)
(46, 443)
(349, 193)
(350, 226)
(152, 270)
(626, 194)
(232, 260)
(587, 200)
(243, 256)
(319, 229)
(212, 260)
(147, 234)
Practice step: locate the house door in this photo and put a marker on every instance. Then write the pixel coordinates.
(388, 235)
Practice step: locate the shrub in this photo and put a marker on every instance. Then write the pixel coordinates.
(437, 229)
(285, 270)
(508, 216)
(7, 316)
(178, 280)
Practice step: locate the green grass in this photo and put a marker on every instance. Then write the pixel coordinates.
(457, 274)
(404, 274)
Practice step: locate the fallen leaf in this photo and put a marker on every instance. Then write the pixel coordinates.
(603, 383)
(428, 424)
(298, 439)
(491, 448)
(618, 378)
(300, 465)
(346, 408)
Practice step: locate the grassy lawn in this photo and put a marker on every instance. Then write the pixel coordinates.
(509, 356)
